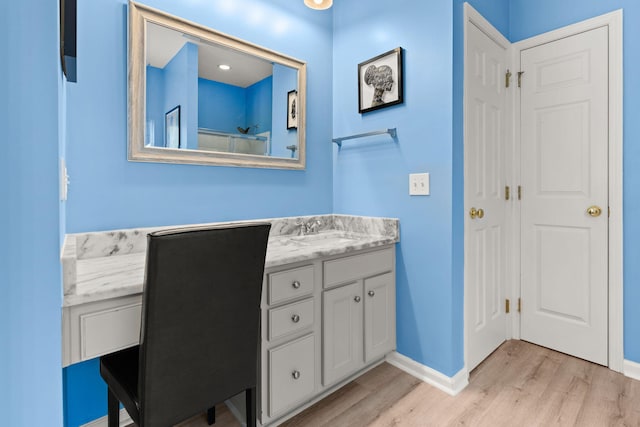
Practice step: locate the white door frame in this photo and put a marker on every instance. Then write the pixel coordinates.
(473, 17)
(614, 21)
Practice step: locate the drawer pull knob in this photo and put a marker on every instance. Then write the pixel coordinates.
(296, 285)
(357, 298)
(371, 293)
(295, 318)
(295, 375)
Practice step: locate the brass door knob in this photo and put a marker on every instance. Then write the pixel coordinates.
(594, 211)
(476, 213)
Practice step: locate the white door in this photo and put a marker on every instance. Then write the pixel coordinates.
(485, 121)
(564, 134)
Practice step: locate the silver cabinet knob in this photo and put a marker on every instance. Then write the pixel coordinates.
(295, 318)
(296, 285)
(295, 375)
(357, 298)
(371, 293)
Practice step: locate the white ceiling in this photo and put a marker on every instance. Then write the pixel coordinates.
(163, 43)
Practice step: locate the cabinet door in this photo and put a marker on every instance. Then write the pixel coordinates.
(342, 331)
(379, 316)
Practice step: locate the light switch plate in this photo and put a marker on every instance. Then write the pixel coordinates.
(419, 184)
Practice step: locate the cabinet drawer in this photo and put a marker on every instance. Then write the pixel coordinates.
(290, 318)
(291, 373)
(290, 284)
(356, 267)
(109, 330)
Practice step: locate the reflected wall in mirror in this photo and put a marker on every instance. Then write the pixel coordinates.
(232, 96)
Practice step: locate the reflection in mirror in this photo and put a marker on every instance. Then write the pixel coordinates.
(210, 98)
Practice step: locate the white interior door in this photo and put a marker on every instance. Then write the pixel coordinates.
(564, 167)
(485, 128)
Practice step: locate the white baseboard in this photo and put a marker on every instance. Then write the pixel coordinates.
(125, 420)
(450, 385)
(631, 369)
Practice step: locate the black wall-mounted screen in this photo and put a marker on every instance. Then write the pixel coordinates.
(68, 43)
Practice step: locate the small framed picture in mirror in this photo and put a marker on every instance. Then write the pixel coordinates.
(380, 81)
(292, 109)
(172, 128)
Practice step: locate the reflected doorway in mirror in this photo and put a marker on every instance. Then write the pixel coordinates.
(292, 109)
(172, 128)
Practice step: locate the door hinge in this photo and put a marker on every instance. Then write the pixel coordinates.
(507, 192)
(519, 192)
(519, 305)
(507, 306)
(520, 73)
(609, 210)
(507, 78)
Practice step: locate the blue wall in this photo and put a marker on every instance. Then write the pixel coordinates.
(259, 98)
(529, 19)
(109, 192)
(181, 89)
(371, 175)
(224, 107)
(30, 90)
(155, 107)
(221, 106)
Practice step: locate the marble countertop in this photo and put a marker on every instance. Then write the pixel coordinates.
(110, 264)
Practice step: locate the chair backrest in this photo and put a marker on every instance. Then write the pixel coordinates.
(199, 339)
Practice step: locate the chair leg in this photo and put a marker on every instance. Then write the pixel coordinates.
(211, 415)
(251, 406)
(113, 409)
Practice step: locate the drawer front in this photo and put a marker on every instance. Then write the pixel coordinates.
(356, 267)
(109, 330)
(291, 373)
(290, 318)
(290, 284)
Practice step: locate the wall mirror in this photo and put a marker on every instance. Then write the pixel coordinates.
(202, 97)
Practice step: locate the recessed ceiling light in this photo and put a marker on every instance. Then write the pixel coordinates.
(224, 67)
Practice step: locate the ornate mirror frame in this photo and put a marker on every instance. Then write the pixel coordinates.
(139, 16)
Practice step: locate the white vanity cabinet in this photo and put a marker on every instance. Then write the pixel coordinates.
(358, 314)
(323, 323)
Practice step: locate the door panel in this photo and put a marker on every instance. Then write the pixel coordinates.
(379, 316)
(484, 188)
(342, 331)
(564, 137)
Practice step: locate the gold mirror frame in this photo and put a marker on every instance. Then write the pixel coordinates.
(139, 16)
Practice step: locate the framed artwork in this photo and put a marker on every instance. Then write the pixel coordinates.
(172, 128)
(292, 109)
(380, 81)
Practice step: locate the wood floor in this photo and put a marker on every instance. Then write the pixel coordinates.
(520, 385)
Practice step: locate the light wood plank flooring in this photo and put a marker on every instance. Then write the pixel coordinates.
(520, 384)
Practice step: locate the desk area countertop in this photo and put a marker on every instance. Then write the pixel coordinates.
(102, 265)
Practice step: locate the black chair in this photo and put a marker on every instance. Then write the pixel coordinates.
(199, 338)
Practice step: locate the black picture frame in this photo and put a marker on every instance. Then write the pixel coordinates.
(380, 81)
(172, 128)
(292, 109)
(68, 42)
